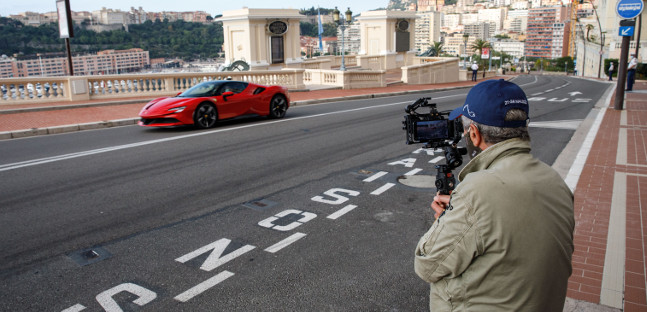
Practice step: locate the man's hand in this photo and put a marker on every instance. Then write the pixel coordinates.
(440, 203)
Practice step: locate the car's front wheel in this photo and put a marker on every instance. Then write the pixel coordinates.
(278, 106)
(205, 116)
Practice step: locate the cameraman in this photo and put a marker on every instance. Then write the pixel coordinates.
(504, 239)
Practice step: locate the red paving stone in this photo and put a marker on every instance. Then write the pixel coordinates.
(593, 193)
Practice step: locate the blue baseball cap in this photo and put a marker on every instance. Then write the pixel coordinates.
(489, 101)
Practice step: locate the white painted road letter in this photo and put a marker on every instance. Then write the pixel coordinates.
(215, 259)
(269, 222)
(110, 305)
(333, 193)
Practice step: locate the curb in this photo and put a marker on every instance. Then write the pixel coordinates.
(24, 133)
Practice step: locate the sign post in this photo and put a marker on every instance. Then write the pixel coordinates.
(66, 29)
(627, 10)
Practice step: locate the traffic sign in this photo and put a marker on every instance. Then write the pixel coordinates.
(626, 31)
(628, 9)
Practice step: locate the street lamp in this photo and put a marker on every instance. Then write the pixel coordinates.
(342, 25)
(465, 37)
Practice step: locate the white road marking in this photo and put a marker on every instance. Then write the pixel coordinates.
(376, 176)
(286, 242)
(437, 159)
(557, 124)
(75, 308)
(413, 172)
(45, 160)
(215, 258)
(383, 189)
(204, 286)
(341, 212)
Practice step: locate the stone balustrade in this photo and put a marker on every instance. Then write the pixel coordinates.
(350, 79)
(80, 88)
(431, 70)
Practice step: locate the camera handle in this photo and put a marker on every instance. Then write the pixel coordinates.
(445, 180)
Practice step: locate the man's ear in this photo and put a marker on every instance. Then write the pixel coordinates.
(475, 135)
(477, 138)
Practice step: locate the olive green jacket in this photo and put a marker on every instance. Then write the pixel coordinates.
(506, 240)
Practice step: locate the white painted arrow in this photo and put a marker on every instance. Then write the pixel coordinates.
(625, 32)
(574, 93)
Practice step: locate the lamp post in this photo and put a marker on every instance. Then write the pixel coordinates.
(342, 25)
(465, 38)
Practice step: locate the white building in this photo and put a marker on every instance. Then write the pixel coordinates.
(451, 21)
(559, 49)
(110, 16)
(469, 18)
(427, 30)
(495, 16)
(508, 46)
(483, 30)
(352, 39)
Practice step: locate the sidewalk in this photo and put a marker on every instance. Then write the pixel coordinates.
(610, 174)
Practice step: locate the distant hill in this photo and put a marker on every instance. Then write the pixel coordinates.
(161, 38)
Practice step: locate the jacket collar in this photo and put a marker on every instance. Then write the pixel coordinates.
(489, 156)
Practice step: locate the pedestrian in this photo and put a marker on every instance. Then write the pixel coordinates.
(503, 239)
(610, 71)
(475, 69)
(631, 72)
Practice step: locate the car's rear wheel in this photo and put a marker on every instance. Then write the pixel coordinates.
(205, 116)
(278, 106)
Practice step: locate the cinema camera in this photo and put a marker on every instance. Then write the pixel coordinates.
(435, 130)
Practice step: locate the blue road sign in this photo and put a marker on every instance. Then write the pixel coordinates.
(626, 31)
(628, 9)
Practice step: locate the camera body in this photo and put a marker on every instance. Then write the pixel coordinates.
(435, 130)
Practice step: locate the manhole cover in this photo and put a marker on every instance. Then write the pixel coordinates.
(260, 204)
(89, 256)
(419, 181)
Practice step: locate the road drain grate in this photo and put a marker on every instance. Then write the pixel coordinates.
(260, 204)
(89, 256)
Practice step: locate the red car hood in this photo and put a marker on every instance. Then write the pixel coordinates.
(162, 105)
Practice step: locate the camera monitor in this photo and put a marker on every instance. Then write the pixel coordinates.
(432, 130)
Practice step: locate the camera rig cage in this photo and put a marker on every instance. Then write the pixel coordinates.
(435, 130)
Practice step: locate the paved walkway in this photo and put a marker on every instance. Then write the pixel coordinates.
(609, 174)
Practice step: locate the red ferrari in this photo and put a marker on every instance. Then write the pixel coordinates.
(207, 102)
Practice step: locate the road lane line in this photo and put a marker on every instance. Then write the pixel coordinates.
(286, 242)
(413, 172)
(45, 160)
(376, 176)
(204, 286)
(341, 212)
(383, 189)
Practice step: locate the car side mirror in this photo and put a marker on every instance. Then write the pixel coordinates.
(178, 93)
(226, 95)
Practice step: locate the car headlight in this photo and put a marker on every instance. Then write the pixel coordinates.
(177, 109)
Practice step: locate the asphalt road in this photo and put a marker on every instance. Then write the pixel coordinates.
(303, 213)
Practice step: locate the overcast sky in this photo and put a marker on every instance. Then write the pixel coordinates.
(213, 7)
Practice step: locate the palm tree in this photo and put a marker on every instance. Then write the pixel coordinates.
(438, 47)
(480, 44)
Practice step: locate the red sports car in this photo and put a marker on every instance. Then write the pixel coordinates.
(210, 101)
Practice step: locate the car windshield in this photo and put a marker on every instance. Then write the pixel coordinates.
(203, 89)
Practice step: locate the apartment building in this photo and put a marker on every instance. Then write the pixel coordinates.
(508, 46)
(541, 28)
(483, 31)
(427, 30)
(104, 62)
(495, 16)
(454, 44)
(352, 40)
